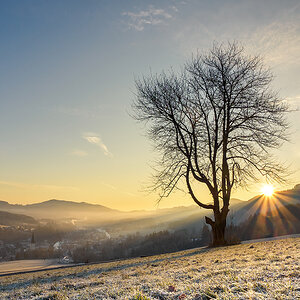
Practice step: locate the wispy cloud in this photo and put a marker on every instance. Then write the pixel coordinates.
(295, 98)
(79, 153)
(43, 186)
(293, 101)
(130, 194)
(114, 188)
(78, 111)
(276, 36)
(150, 16)
(96, 140)
(279, 42)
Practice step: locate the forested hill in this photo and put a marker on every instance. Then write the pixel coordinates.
(9, 219)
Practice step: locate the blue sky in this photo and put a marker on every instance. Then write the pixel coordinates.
(67, 83)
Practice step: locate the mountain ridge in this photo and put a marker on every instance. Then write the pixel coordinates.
(56, 208)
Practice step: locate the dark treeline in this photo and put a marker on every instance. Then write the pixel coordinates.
(51, 232)
(136, 245)
(38, 253)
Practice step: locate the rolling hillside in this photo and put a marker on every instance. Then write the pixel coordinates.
(264, 270)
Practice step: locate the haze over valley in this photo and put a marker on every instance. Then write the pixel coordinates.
(61, 227)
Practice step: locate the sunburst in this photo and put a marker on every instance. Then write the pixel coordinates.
(268, 190)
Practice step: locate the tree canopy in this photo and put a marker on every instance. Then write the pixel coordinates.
(214, 123)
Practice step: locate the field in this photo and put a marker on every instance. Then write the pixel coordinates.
(264, 270)
(28, 265)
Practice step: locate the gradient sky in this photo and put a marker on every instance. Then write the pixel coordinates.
(67, 84)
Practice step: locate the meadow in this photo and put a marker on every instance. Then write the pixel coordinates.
(264, 270)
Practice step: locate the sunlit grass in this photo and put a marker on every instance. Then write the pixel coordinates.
(267, 270)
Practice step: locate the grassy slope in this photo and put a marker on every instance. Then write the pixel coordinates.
(265, 270)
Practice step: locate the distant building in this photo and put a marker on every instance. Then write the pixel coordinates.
(57, 246)
(32, 242)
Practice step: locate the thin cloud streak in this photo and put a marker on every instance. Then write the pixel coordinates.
(293, 100)
(82, 112)
(96, 140)
(272, 41)
(114, 188)
(43, 186)
(277, 40)
(151, 16)
(79, 153)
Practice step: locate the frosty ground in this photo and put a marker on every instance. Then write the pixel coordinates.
(264, 270)
(28, 265)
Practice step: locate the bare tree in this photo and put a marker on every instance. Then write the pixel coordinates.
(214, 124)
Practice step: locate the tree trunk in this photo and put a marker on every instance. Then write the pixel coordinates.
(218, 229)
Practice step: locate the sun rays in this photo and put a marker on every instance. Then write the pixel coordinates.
(272, 213)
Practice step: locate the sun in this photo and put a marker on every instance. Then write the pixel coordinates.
(267, 190)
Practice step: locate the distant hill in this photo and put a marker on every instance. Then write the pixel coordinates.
(59, 209)
(10, 219)
(54, 204)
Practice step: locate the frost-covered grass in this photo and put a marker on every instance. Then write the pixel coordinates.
(265, 270)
